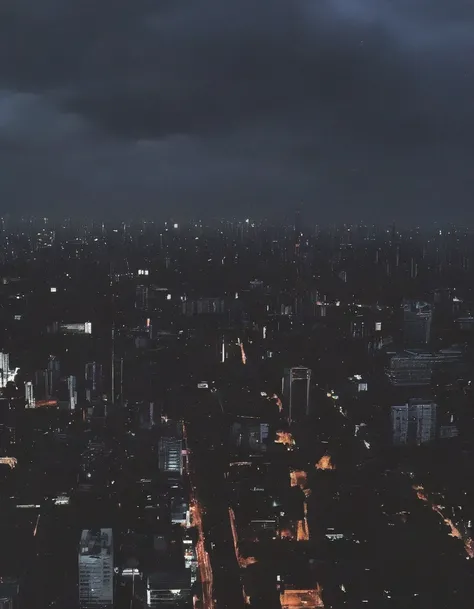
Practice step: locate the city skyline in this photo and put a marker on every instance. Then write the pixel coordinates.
(235, 414)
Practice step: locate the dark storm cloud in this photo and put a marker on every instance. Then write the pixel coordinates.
(355, 104)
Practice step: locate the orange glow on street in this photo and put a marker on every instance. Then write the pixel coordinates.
(42, 403)
(325, 463)
(420, 492)
(286, 534)
(278, 402)
(454, 531)
(302, 599)
(242, 351)
(298, 478)
(36, 525)
(204, 562)
(302, 531)
(243, 562)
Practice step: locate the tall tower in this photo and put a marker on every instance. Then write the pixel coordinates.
(71, 385)
(29, 395)
(296, 391)
(93, 380)
(96, 570)
(53, 374)
(4, 368)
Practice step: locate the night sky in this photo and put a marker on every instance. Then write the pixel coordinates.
(359, 109)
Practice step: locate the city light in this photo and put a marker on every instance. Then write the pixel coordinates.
(204, 562)
(302, 530)
(243, 561)
(242, 352)
(453, 529)
(300, 478)
(285, 438)
(278, 402)
(10, 461)
(299, 599)
(35, 530)
(325, 463)
(43, 403)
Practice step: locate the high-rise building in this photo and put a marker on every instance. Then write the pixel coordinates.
(72, 391)
(170, 459)
(51, 377)
(414, 423)
(4, 367)
(296, 385)
(146, 415)
(7, 374)
(417, 317)
(141, 298)
(93, 380)
(96, 570)
(29, 395)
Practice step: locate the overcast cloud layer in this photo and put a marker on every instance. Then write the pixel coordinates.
(360, 109)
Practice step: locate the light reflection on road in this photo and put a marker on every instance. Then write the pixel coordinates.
(204, 562)
(454, 531)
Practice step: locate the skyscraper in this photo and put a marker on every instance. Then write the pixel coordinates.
(170, 460)
(96, 570)
(29, 395)
(141, 297)
(296, 391)
(7, 374)
(4, 368)
(53, 374)
(414, 423)
(71, 385)
(93, 380)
